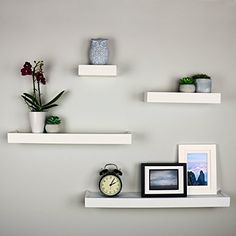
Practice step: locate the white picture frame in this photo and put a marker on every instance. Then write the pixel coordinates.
(201, 167)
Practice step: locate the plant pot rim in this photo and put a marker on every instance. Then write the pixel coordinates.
(53, 124)
(37, 111)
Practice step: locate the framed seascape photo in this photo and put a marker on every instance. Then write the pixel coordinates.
(201, 168)
(163, 180)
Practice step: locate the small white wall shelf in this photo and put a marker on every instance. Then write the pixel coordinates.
(97, 70)
(134, 200)
(177, 97)
(70, 138)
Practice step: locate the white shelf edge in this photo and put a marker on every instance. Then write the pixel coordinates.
(97, 70)
(70, 138)
(178, 97)
(134, 200)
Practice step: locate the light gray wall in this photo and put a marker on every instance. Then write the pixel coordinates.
(153, 42)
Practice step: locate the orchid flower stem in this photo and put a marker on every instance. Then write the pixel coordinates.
(39, 92)
(34, 89)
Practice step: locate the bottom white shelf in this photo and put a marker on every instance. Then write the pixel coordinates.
(134, 200)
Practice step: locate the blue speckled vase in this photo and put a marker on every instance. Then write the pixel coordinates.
(98, 52)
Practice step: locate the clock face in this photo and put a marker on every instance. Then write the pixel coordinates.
(110, 185)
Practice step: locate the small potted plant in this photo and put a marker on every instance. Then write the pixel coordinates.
(53, 124)
(203, 83)
(186, 85)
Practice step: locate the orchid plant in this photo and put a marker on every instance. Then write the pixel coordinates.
(34, 100)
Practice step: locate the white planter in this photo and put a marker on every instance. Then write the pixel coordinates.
(53, 128)
(187, 88)
(37, 121)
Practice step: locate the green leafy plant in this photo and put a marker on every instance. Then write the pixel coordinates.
(53, 120)
(186, 80)
(34, 100)
(200, 76)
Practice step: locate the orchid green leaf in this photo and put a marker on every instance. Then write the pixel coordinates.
(55, 99)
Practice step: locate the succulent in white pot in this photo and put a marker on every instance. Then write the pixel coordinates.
(53, 124)
(187, 85)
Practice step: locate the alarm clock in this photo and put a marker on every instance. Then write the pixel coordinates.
(110, 183)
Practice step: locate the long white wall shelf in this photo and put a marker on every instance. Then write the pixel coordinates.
(70, 138)
(97, 70)
(177, 97)
(134, 200)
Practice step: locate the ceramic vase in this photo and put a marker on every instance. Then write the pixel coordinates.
(98, 52)
(203, 85)
(37, 121)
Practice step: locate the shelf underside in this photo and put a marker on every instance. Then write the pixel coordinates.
(70, 138)
(134, 200)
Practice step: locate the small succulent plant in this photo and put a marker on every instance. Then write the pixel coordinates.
(200, 76)
(186, 80)
(53, 120)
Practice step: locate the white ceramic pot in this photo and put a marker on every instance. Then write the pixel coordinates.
(52, 128)
(37, 121)
(187, 88)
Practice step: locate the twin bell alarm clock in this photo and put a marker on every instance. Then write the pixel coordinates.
(110, 183)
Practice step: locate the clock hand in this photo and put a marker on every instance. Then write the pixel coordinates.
(112, 182)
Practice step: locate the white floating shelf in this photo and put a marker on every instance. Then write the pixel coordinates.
(97, 70)
(71, 138)
(178, 97)
(134, 200)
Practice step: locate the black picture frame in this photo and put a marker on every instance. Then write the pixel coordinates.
(163, 180)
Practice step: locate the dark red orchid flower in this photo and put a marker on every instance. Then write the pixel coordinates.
(27, 65)
(43, 81)
(27, 69)
(40, 78)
